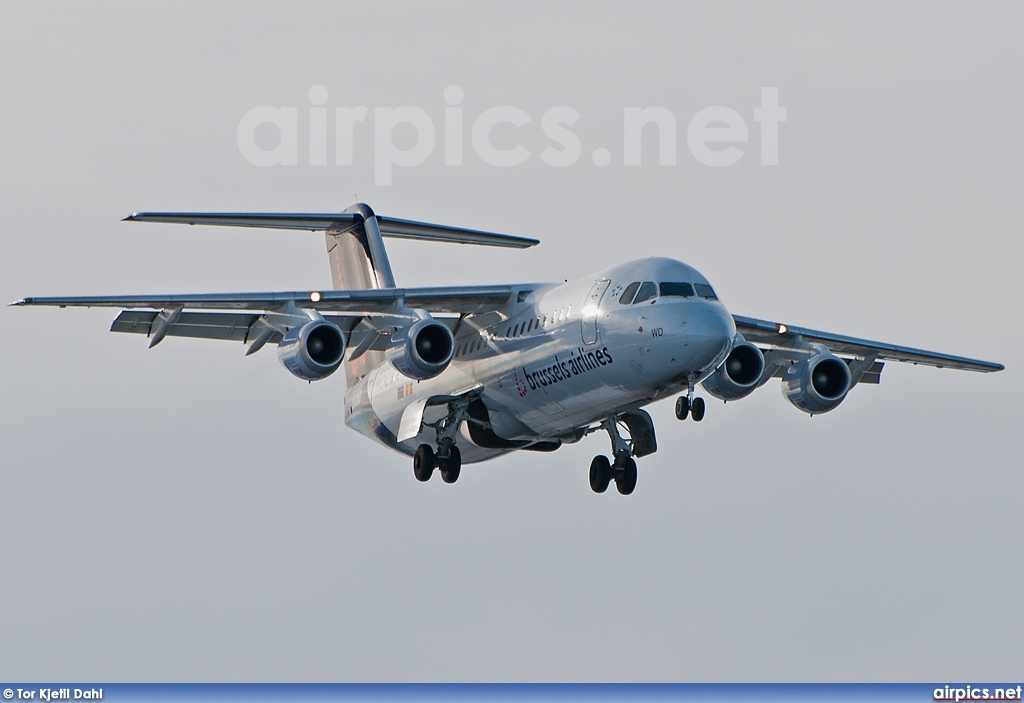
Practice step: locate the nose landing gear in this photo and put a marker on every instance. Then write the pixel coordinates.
(688, 405)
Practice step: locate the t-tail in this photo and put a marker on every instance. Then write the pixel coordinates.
(355, 247)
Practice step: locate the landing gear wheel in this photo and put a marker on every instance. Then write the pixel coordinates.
(452, 466)
(600, 474)
(625, 480)
(697, 409)
(682, 407)
(423, 462)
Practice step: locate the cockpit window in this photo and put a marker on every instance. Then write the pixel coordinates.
(627, 295)
(705, 291)
(681, 290)
(647, 291)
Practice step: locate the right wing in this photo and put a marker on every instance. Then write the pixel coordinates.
(266, 314)
(445, 299)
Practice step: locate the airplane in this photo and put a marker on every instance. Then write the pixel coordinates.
(457, 375)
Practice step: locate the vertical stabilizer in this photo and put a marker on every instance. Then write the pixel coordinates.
(359, 262)
(356, 251)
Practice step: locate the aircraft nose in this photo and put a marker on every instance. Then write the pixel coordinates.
(713, 330)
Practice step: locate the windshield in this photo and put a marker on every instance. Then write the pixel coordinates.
(705, 291)
(681, 290)
(647, 291)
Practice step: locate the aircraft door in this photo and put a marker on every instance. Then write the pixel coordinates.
(591, 308)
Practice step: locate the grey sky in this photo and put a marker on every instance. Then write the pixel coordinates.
(189, 514)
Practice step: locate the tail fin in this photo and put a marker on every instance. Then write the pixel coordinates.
(356, 250)
(359, 261)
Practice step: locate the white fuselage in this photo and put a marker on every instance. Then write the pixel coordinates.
(558, 358)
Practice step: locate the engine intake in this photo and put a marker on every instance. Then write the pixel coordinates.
(738, 375)
(818, 384)
(422, 350)
(313, 351)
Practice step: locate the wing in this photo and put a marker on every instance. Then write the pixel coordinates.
(258, 318)
(454, 300)
(778, 335)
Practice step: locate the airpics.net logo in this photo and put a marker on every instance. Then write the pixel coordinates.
(716, 136)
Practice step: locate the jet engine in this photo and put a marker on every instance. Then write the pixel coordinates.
(818, 384)
(738, 375)
(422, 350)
(312, 351)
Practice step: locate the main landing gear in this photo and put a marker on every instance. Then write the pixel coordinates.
(447, 458)
(424, 461)
(622, 469)
(688, 405)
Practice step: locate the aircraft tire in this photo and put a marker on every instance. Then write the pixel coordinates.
(697, 409)
(625, 481)
(452, 466)
(423, 462)
(682, 407)
(600, 474)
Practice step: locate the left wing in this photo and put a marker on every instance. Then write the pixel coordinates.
(783, 336)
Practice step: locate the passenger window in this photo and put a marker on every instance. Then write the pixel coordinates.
(705, 291)
(647, 292)
(680, 290)
(627, 295)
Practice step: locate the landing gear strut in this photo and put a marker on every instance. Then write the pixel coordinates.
(622, 469)
(448, 458)
(688, 405)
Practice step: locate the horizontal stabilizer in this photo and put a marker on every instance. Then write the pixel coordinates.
(337, 223)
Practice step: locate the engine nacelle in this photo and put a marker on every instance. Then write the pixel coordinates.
(422, 350)
(738, 375)
(313, 351)
(818, 384)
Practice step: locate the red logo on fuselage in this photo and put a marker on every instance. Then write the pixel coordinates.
(520, 384)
